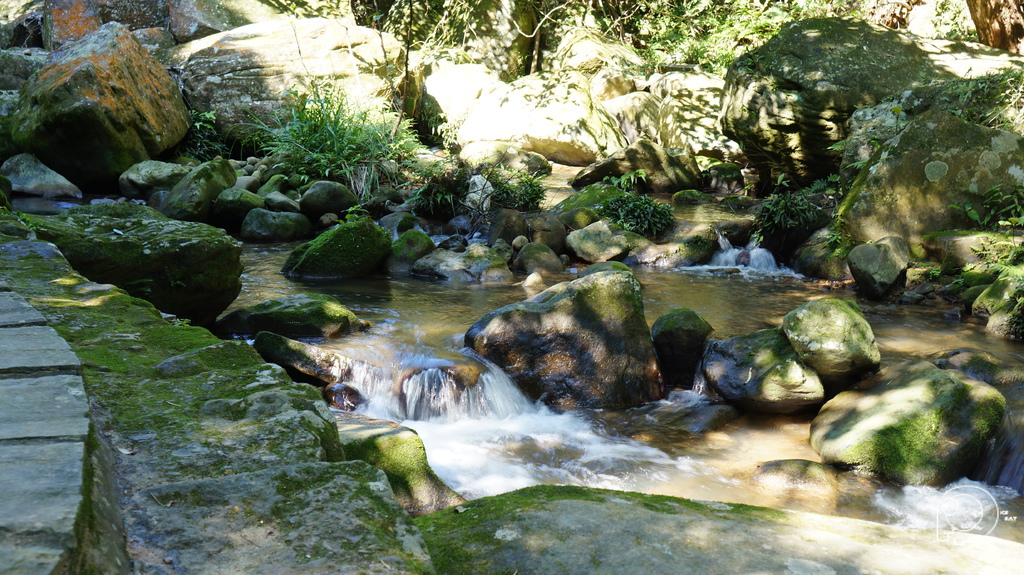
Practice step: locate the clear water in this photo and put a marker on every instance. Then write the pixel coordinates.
(481, 451)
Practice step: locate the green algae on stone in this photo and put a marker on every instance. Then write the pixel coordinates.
(349, 249)
(296, 315)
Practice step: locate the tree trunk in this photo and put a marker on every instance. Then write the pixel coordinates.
(1000, 23)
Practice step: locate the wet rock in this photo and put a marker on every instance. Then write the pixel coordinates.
(761, 372)
(813, 484)
(724, 178)
(398, 222)
(583, 343)
(349, 249)
(546, 228)
(684, 244)
(27, 175)
(478, 263)
(599, 243)
(665, 172)
(535, 257)
(913, 424)
(342, 397)
(832, 337)
(507, 225)
(231, 207)
(454, 243)
(191, 199)
(184, 268)
(819, 258)
(141, 180)
(326, 197)
(278, 202)
(107, 90)
(679, 337)
(410, 246)
(262, 225)
(880, 267)
(296, 315)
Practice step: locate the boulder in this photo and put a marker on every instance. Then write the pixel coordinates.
(246, 72)
(679, 337)
(590, 197)
(67, 21)
(818, 257)
(637, 114)
(724, 178)
(183, 268)
(790, 99)
(690, 103)
(296, 315)
(349, 249)
(685, 244)
(231, 207)
(536, 257)
(880, 267)
(17, 66)
(412, 245)
(484, 153)
(588, 51)
(451, 90)
(665, 172)
(549, 113)
(507, 225)
(478, 263)
(832, 337)
(104, 89)
(191, 199)
(938, 160)
(280, 202)
(326, 197)
(608, 84)
(599, 243)
(546, 228)
(761, 372)
(397, 223)
(262, 225)
(27, 175)
(1001, 303)
(141, 180)
(912, 424)
(193, 20)
(583, 343)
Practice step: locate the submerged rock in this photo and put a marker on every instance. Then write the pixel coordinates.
(913, 424)
(583, 343)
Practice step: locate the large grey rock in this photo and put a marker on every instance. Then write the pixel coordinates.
(326, 197)
(600, 243)
(913, 423)
(583, 343)
(262, 225)
(548, 113)
(690, 103)
(478, 263)
(880, 267)
(29, 176)
(105, 90)
(832, 337)
(587, 50)
(936, 161)
(191, 199)
(550, 529)
(790, 99)
(247, 71)
(507, 225)
(761, 372)
(141, 180)
(637, 114)
(18, 64)
(296, 315)
(451, 90)
(184, 268)
(665, 172)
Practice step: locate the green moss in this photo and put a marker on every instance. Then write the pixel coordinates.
(349, 249)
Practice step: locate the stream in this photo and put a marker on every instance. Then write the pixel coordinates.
(515, 443)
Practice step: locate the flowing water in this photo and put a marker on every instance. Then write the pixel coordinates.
(494, 439)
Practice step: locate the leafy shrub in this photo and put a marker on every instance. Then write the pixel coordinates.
(441, 190)
(515, 189)
(789, 212)
(999, 207)
(325, 136)
(202, 141)
(641, 214)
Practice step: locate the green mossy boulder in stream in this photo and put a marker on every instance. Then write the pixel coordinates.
(184, 268)
(349, 249)
(832, 337)
(412, 245)
(761, 372)
(563, 529)
(192, 198)
(679, 337)
(583, 343)
(296, 315)
(913, 423)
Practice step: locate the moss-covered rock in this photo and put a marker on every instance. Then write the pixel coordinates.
(5, 192)
(679, 338)
(761, 372)
(184, 268)
(691, 198)
(478, 263)
(326, 197)
(297, 315)
(349, 249)
(231, 206)
(142, 179)
(665, 173)
(832, 337)
(879, 268)
(590, 197)
(819, 257)
(191, 199)
(537, 257)
(599, 242)
(583, 343)
(261, 225)
(913, 424)
(604, 267)
(412, 245)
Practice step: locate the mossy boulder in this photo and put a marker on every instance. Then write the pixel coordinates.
(600, 242)
(761, 372)
(879, 268)
(184, 268)
(546, 228)
(261, 225)
(536, 257)
(832, 337)
(583, 343)
(665, 172)
(296, 315)
(231, 207)
(604, 267)
(191, 199)
(142, 179)
(326, 197)
(590, 197)
(507, 225)
(349, 249)
(684, 244)
(412, 245)
(679, 337)
(913, 424)
(819, 257)
(5, 192)
(478, 263)
(691, 198)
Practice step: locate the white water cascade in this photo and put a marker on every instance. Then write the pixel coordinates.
(752, 257)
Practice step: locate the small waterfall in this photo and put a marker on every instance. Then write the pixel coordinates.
(427, 388)
(751, 256)
(1003, 461)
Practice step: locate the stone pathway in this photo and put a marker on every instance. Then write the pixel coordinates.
(43, 426)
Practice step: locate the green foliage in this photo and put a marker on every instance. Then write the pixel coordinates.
(515, 189)
(994, 100)
(789, 210)
(325, 136)
(636, 213)
(202, 141)
(442, 188)
(627, 182)
(998, 208)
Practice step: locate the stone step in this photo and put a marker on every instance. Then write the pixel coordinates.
(16, 312)
(35, 350)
